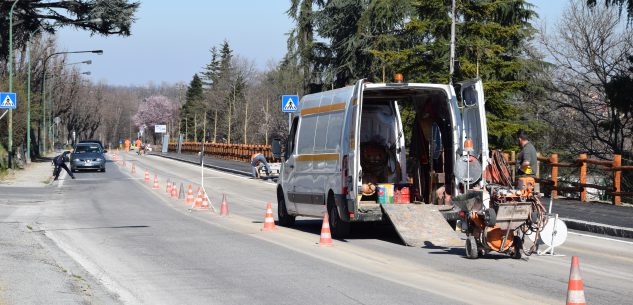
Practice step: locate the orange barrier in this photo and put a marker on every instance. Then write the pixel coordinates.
(237, 152)
(614, 166)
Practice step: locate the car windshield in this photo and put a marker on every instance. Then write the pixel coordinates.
(87, 149)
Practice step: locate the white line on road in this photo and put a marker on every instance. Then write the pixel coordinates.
(603, 238)
(61, 179)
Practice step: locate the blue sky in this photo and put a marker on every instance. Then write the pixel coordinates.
(171, 39)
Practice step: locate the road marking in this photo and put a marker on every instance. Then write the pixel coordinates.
(603, 238)
(61, 179)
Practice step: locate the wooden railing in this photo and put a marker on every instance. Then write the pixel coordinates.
(238, 152)
(614, 166)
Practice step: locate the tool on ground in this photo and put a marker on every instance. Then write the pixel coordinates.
(174, 190)
(326, 234)
(155, 186)
(133, 168)
(500, 216)
(190, 198)
(269, 221)
(147, 175)
(181, 191)
(575, 290)
(224, 208)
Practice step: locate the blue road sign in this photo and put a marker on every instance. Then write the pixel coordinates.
(8, 100)
(289, 103)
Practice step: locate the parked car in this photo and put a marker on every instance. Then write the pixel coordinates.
(88, 156)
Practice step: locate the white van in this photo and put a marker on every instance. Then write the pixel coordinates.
(345, 142)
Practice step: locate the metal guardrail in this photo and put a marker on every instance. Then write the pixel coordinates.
(614, 166)
(237, 152)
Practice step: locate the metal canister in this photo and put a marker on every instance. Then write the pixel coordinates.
(382, 193)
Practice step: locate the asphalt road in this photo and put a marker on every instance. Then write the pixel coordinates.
(146, 248)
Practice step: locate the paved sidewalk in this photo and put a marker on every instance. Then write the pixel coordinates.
(36, 174)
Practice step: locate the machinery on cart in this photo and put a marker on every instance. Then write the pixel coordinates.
(500, 216)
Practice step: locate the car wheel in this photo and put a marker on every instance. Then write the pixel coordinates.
(339, 227)
(285, 219)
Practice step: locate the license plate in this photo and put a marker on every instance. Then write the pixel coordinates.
(87, 162)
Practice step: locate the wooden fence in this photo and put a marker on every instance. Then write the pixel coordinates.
(238, 152)
(614, 166)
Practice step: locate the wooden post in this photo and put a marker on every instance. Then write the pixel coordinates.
(583, 178)
(554, 160)
(537, 187)
(514, 167)
(617, 175)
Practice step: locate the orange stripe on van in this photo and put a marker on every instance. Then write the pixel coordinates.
(322, 109)
(318, 157)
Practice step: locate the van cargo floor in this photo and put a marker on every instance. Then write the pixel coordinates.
(419, 224)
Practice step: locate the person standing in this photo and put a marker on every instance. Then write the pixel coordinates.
(60, 162)
(256, 159)
(138, 145)
(526, 160)
(127, 145)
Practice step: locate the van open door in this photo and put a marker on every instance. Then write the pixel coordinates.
(354, 177)
(474, 123)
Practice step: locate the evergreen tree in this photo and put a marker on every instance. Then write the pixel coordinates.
(211, 70)
(194, 108)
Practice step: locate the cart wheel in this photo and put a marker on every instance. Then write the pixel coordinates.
(518, 247)
(471, 248)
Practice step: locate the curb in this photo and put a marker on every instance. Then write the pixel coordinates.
(225, 169)
(598, 228)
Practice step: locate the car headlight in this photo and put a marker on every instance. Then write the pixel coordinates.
(98, 159)
(76, 159)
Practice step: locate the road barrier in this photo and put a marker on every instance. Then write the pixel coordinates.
(237, 152)
(581, 163)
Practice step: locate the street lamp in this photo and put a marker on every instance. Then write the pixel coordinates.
(43, 101)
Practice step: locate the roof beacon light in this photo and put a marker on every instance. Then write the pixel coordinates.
(398, 78)
(469, 145)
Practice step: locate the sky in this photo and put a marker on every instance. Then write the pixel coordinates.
(170, 40)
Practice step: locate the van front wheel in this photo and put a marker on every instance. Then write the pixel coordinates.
(285, 219)
(340, 228)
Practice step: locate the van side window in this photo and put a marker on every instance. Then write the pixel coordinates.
(290, 144)
(307, 131)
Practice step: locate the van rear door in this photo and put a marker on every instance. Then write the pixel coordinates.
(474, 119)
(355, 174)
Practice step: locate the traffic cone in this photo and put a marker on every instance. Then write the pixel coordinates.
(168, 188)
(224, 208)
(269, 221)
(205, 201)
(133, 168)
(146, 175)
(181, 192)
(174, 190)
(190, 198)
(198, 201)
(575, 290)
(326, 235)
(155, 186)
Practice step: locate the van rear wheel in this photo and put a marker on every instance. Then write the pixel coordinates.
(285, 219)
(340, 228)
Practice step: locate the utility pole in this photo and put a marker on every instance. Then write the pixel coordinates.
(267, 121)
(452, 56)
(10, 128)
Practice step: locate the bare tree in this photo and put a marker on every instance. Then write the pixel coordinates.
(588, 48)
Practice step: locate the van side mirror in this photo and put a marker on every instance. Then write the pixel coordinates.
(276, 148)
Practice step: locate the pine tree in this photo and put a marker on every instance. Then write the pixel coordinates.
(211, 70)
(194, 108)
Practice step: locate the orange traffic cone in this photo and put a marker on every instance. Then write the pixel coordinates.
(155, 186)
(133, 168)
(198, 201)
(224, 208)
(575, 290)
(174, 190)
(326, 235)
(168, 188)
(205, 202)
(269, 221)
(190, 198)
(147, 175)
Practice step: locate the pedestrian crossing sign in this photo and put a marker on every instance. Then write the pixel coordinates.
(289, 103)
(8, 100)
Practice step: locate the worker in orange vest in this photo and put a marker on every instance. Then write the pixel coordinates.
(127, 145)
(138, 145)
(256, 159)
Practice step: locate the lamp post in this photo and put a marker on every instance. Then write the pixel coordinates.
(43, 100)
(10, 128)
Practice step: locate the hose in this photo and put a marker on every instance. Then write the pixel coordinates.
(498, 170)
